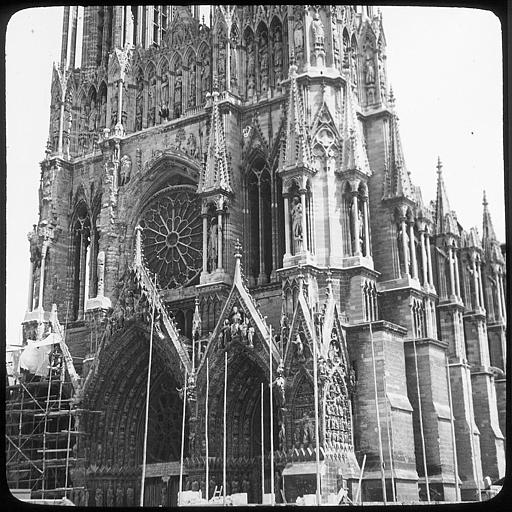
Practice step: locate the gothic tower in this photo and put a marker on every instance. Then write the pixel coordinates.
(237, 189)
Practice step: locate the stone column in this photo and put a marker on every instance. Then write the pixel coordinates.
(219, 239)
(44, 250)
(228, 59)
(502, 295)
(287, 241)
(120, 102)
(355, 225)
(83, 268)
(475, 283)
(414, 263)
(30, 297)
(366, 227)
(450, 266)
(205, 243)
(129, 26)
(456, 272)
(424, 258)
(305, 246)
(61, 123)
(405, 251)
(480, 291)
(138, 245)
(429, 261)
(262, 275)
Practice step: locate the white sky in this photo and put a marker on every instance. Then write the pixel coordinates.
(445, 65)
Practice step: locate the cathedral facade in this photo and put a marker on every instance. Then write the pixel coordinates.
(236, 191)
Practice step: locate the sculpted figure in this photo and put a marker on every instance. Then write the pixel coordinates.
(212, 245)
(318, 30)
(370, 70)
(98, 498)
(296, 214)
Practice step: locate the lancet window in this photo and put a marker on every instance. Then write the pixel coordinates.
(259, 216)
(370, 312)
(84, 252)
(418, 319)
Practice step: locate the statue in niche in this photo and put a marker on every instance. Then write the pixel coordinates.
(110, 495)
(163, 495)
(212, 245)
(382, 73)
(346, 54)
(103, 109)
(298, 37)
(318, 31)
(130, 495)
(221, 66)
(370, 70)
(152, 101)
(263, 51)
(177, 93)
(299, 348)
(297, 213)
(192, 146)
(225, 334)
(246, 484)
(125, 170)
(119, 496)
(353, 57)
(233, 67)
(98, 498)
(403, 243)
(93, 117)
(192, 75)
(139, 105)
(165, 90)
(113, 107)
(370, 95)
(205, 78)
(250, 336)
(278, 55)
(280, 383)
(250, 86)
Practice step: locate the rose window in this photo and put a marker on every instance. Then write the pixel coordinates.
(172, 236)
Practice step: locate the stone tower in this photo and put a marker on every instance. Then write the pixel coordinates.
(273, 126)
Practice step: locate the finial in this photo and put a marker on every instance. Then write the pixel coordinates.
(484, 202)
(391, 97)
(328, 281)
(293, 64)
(439, 165)
(238, 249)
(138, 245)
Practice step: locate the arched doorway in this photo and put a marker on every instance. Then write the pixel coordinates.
(243, 423)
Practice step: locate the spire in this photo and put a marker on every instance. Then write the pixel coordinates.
(490, 243)
(398, 182)
(354, 153)
(489, 234)
(443, 213)
(297, 151)
(216, 176)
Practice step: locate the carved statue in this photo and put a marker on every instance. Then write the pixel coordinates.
(125, 169)
(212, 245)
(246, 484)
(139, 105)
(110, 495)
(165, 90)
(98, 498)
(280, 383)
(250, 336)
(93, 117)
(296, 214)
(299, 347)
(192, 94)
(233, 65)
(205, 78)
(298, 38)
(225, 334)
(177, 94)
(370, 70)
(152, 101)
(119, 496)
(130, 495)
(318, 31)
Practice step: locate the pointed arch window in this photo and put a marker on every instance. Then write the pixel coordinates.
(84, 253)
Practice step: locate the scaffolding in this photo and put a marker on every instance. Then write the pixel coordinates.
(41, 426)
